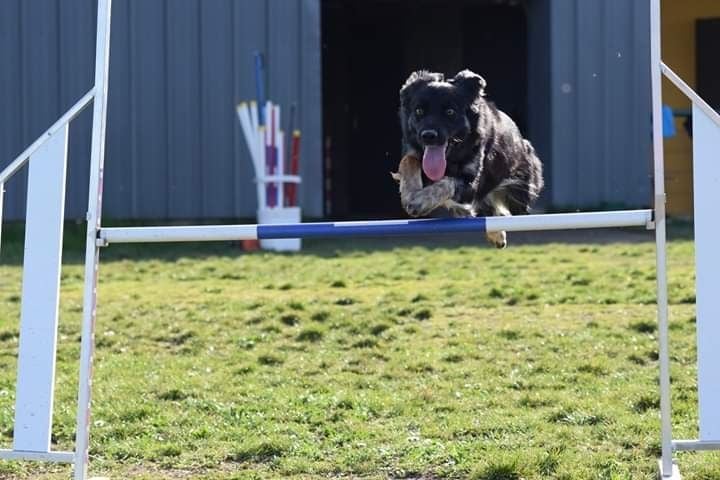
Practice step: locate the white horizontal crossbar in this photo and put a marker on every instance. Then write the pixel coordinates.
(571, 221)
(197, 233)
(21, 159)
(279, 178)
(381, 228)
(58, 457)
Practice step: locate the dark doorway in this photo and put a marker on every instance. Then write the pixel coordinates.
(708, 68)
(369, 49)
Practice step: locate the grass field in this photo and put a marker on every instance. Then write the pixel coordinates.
(368, 359)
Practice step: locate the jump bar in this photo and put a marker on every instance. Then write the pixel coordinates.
(379, 228)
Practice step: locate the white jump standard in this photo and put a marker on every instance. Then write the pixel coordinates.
(41, 276)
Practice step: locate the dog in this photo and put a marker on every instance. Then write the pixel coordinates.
(462, 153)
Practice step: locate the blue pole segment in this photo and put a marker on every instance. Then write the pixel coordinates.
(368, 229)
(260, 86)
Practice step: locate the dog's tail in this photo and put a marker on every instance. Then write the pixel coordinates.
(525, 184)
(535, 168)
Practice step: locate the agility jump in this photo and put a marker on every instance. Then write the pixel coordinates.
(41, 277)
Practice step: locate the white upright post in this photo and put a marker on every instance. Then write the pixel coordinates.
(706, 182)
(40, 295)
(666, 462)
(97, 157)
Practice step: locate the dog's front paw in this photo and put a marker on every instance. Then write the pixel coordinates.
(414, 208)
(458, 210)
(424, 200)
(498, 239)
(410, 165)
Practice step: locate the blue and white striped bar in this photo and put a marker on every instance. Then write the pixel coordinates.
(379, 228)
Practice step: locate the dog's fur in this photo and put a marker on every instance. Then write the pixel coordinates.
(491, 169)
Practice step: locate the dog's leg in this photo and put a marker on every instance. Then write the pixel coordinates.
(409, 174)
(416, 200)
(494, 204)
(458, 210)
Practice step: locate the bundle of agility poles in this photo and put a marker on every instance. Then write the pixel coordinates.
(260, 122)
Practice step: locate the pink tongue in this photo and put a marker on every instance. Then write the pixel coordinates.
(434, 162)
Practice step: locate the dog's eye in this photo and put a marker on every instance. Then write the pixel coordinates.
(450, 112)
(419, 112)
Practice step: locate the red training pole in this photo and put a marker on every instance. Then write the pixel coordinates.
(294, 167)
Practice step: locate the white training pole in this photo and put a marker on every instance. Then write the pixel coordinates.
(40, 295)
(247, 128)
(666, 462)
(97, 157)
(706, 184)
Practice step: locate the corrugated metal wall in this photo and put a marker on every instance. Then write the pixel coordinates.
(600, 72)
(539, 126)
(178, 67)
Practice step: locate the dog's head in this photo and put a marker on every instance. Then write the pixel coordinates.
(437, 114)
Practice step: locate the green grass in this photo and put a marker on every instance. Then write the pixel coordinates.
(369, 359)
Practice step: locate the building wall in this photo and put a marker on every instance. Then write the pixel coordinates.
(175, 149)
(600, 91)
(678, 52)
(177, 69)
(539, 126)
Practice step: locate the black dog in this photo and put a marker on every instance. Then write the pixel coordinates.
(474, 160)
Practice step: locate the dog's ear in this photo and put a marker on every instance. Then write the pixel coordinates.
(416, 80)
(470, 83)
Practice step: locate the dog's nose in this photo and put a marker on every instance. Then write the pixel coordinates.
(429, 135)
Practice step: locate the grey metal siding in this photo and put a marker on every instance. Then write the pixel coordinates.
(600, 103)
(177, 69)
(11, 135)
(539, 128)
(310, 111)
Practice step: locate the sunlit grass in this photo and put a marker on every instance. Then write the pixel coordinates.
(448, 360)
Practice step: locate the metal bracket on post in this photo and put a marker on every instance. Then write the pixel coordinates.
(660, 204)
(658, 210)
